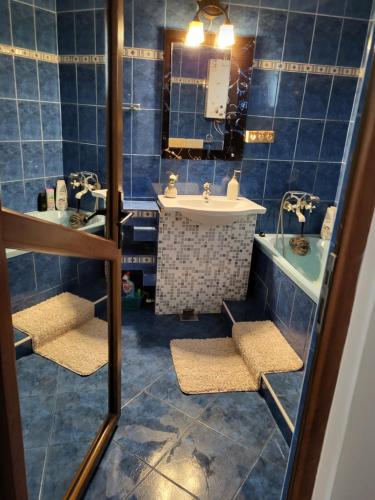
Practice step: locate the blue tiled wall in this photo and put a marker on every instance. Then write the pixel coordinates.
(275, 294)
(34, 277)
(310, 113)
(81, 31)
(357, 112)
(30, 119)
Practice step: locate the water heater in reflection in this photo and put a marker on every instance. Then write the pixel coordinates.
(217, 88)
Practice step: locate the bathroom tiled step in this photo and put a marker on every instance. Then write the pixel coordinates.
(22, 343)
(281, 391)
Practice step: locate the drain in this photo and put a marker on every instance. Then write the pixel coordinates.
(188, 315)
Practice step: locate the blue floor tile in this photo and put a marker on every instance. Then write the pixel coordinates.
(118, 474)
(37, 418)
(78, 416)
(243, 417)
(36, 376)
(62, 462)
(128, 391)
(155, 487)
(207, 464)
(142, 365)
(276, 449)
(149, 428)
(264, 483)
(166, 388)
(34, 458)
(69, 381)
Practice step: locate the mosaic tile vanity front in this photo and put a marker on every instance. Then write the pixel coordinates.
(199, 266)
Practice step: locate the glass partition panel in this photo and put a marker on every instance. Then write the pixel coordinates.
(61, 348)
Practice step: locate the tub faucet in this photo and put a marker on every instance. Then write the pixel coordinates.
(88, 181)
(207, 191)
(299, 214)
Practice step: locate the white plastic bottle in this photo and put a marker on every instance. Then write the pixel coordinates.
(233, 188)
(328, 223)
(61, 195)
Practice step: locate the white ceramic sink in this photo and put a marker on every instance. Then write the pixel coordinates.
(217, 210)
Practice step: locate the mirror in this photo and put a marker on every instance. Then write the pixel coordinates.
(205, 98)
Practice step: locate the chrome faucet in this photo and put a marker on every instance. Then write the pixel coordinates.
(88, 181)
(296, 202)
(207, 191)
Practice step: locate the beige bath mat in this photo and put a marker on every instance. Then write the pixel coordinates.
(210, 365)
(65, 330)
(233, 364)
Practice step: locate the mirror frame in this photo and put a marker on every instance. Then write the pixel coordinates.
(241, 71)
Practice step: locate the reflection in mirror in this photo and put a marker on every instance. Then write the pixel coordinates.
(61, 347)
(191, 112)
(205, 98)
(54, 104)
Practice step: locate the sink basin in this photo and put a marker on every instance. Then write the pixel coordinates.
(217, 210)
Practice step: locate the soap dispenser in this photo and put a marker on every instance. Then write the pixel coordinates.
(171, 190)
(233, 188)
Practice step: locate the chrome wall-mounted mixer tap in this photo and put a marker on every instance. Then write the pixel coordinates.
(89, 182)
(297, 202)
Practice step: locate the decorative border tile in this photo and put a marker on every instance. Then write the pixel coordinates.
(188, 81)
(139, 53)
(295, 67)
(9, 50)
(83, 59)
(266, 64)
(158, 55)
(138, 259)
(253, 136)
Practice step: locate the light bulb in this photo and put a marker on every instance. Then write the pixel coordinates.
(195, 34)
(225, 37)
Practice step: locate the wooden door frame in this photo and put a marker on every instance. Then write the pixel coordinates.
(27, 233)
(354, 229)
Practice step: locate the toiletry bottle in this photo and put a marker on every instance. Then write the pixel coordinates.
(61, 195)
(128, 287)
(42, 202)
(233, 188)
(328, 223)
(50, 198)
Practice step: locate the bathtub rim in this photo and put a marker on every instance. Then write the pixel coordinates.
(311, 288)
(47, 216)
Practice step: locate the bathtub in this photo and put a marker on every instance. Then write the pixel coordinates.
(305, 271)
(61, 217)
